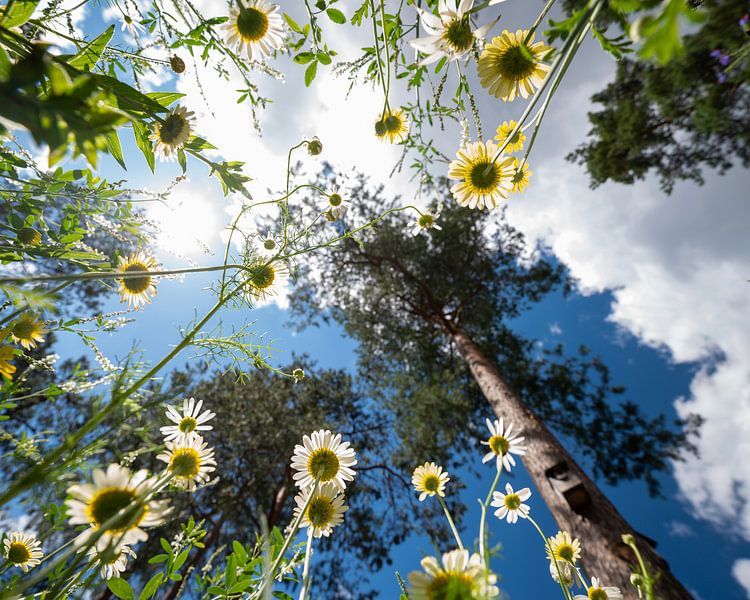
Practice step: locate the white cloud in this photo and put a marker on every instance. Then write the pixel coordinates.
(741, 572)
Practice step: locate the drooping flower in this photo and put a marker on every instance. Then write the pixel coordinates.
(460, 577)
(564, 547)
(189, 423)
(172, 133)
(334, 214)
(6, 355)
(521, 176)
(137, 291)
(131, 25)
(515, 143)
(511, 504)
(503, 443)
(23, 550)
(563, 572)
(481, 182)
(112, 560)
(325, 511)
(190, 461)
(597, 592)
(392, 125)
(28, 331)
(266, 279)
(323, 456)
(429, 479)
(449, 33)
(427, 220)
(117, 500)
(314, 147)
(255, 27)
(511, 67)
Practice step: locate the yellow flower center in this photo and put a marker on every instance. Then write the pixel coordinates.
(320, 512)
(263, 276)
(518, 176)
(393, 123)
(172, 129)
(18, 553)
(565, 552)
(252, 24)
(185, 462)
(323, 464)
(136, 285)
(426, 221)
(188, 424)
(484, 176)
(451, 585)
(24, 329)
(107, 504)
(499, 445)
(597, 594)
(335, 199)
(431, 483)
(516, 62)
(458, 35)
(512, 501)
(269, 244)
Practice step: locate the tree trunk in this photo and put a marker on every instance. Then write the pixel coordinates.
(575, 501)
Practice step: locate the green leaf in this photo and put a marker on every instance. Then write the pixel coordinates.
(336, 16)
(182, 159)
(141, 133)
(310, 73)
(120, 588)
(323, 58)
(90, 54)
(292, 23)
(303, 58)
(180, 560)
(115, 149)
(150, 589)
(165, 98)
(361, 13)
(17, 12)
(240, 586)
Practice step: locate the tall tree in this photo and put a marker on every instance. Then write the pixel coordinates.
(675, 119)
(427, 309)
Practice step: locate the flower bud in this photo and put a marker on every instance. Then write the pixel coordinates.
(177, 64)
(314, 147)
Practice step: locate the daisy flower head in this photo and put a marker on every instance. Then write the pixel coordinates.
(137, 291)
(426, 221)
(520, 177)
(564, 547)
(323, 456)
(503, 443)
(6, 355)
(171, 134)
(563, 572)
(116, 500)
(266, 279)
(28, 331)
(597, 592)
(255, 27)
(515, 142)
(511, 66)
(325, 511)
(460, 576)
(335, 199)
(22, 550)
(267, 246)
(189, 423)
(190, 461)
(511, 504)
(449, 33)
(482, 183)
(334, 214)
(112, 560)
(429, 479)
(392, 125)
(131, 25)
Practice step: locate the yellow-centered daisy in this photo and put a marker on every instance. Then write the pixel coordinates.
(117, 502)
(510, 67)
(515, 142)
(325, 511)
(172, 133)
(265, 279)
(520, 177)
(112, 560)
(460, 577)
(323, 456)
(511, 504)
(187, 424)
(137, 291)
(392, 125)
(6, 355)
(255, 27)
(429, 479)
(597, 592)
(503, 443)
(22, 550)
(190, 461)
(28, 331)
(564, 547)
(482, 183)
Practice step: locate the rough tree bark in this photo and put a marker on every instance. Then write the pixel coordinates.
(575, 501)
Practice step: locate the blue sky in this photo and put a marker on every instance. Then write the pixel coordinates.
(661, 291)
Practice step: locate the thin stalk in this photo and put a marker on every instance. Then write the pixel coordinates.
(306, 569)
(377, 55)
(541, 16)
(450, 522)
(563, 587)
(17, 312)
(483, 550)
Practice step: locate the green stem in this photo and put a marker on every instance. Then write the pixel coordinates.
(450, 522)
(483, 549)
(377, 55)
(306, 569)
(563, 587)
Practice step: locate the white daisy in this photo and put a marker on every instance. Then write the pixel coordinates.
(597, 592)
(325, 511)
(429, 479)
(105, 501)
(171, 134)
(323, 456)
(189, 423)
(427, 220)
(461, 577)
(265, 279)
(256, 27)
(190, 461)
(511, 503)
(503, 444)
(564, 547)
(112, 561)
(132, 26)
(481, 182)
(22, 550)
(267, 246)
(449, 32)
